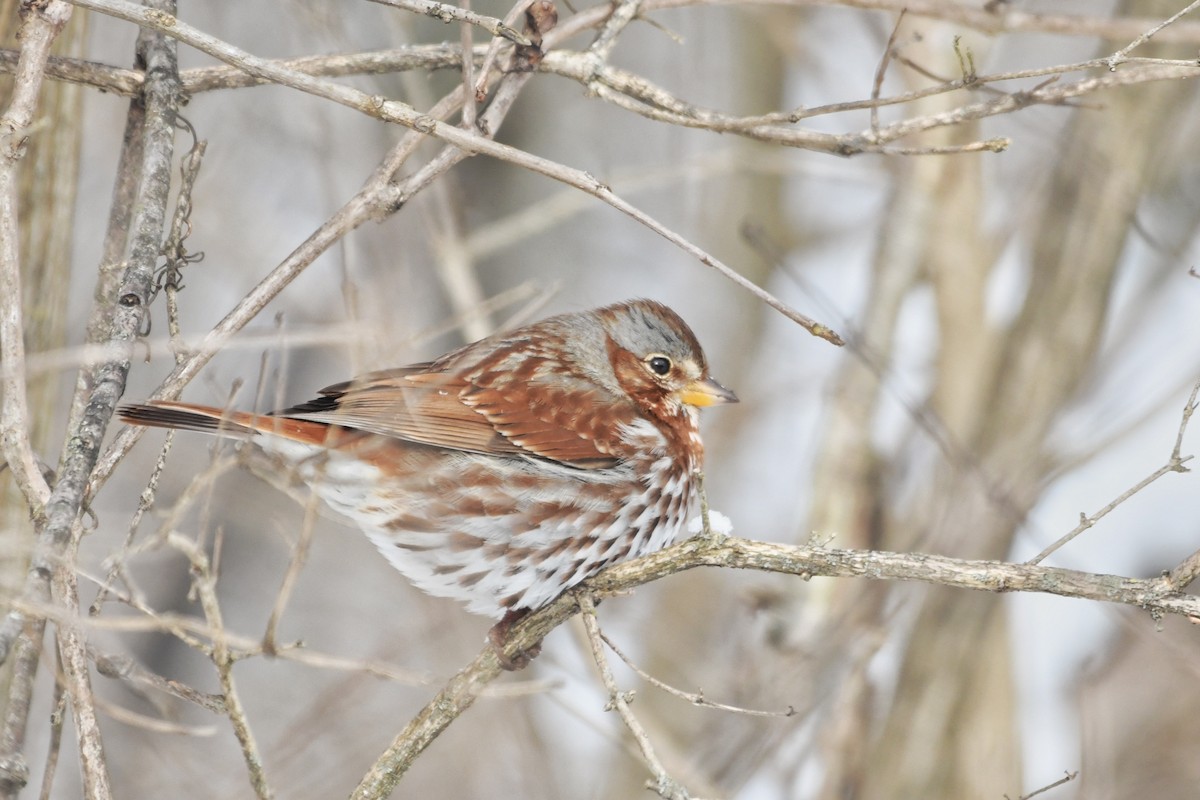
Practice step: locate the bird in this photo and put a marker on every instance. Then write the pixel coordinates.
(507, 471)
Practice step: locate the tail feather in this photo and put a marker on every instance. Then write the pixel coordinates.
(220, 421)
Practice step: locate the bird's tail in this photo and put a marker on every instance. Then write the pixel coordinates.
(221, 421)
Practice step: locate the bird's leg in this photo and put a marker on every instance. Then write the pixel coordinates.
(498, 637)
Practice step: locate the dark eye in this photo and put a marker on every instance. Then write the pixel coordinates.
(659, 365)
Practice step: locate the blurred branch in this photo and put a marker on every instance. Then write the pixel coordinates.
(188, 630)
(997, 18)
(1158, 596)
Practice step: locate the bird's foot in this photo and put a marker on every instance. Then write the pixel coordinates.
(498, 637)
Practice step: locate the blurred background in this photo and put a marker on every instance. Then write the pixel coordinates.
(1023, 333)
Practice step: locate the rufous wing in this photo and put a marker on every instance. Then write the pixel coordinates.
(482, 407)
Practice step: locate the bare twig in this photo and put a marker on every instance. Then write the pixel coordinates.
(123, 668)
(663, 784)
(695, 698)
(1175, 463)
(881, 70)
(468, 71)
(1070, 776)
(1121, 55)
(192, 632)
(128, 82)
(145, 503)
(56, 727)
(512, 18)
(299, 558)
(448, 13)
(205, 582)
(623, 13)
(136, 720)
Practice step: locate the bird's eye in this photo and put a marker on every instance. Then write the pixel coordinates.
(659, 365)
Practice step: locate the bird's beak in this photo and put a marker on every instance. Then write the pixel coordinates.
(706, 392)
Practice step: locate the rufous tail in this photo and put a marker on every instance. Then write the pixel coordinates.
(220, 421)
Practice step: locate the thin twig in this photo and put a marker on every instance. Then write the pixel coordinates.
(1067, 778)
(623, 12)
(189, 630)
(663, 784)
(139, 679)
(448, 13)
(299, 559)
(1175, 463)
(881, 70)
(145, 503)
(512, 18)
(58, 712)
(695, 698)
(468, 70)
(205, 582)
(1120, 56)
(136, 720)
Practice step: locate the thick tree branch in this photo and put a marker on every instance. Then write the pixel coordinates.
(119, 318)
(38, 31)
(40, 26)
(1158, 596)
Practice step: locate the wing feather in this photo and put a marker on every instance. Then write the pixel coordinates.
(505, 401)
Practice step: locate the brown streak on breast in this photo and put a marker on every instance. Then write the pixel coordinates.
(461, 542)
(408, 522)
